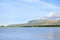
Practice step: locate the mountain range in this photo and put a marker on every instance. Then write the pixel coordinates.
(53, 18)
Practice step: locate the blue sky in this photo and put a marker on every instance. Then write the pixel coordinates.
(21, 11)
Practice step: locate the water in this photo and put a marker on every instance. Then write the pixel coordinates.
(29, 33)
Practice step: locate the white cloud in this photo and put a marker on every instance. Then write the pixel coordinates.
(47, 5)
(29, 0)
(50, 14)
(54, 14)
(43, 4)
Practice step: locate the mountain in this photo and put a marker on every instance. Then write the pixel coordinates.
(53, 18)
(37, 23)
(44, 22)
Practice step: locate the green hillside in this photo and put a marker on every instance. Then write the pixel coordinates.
(38, 23)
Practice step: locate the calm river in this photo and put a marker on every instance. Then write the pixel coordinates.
(30, 33)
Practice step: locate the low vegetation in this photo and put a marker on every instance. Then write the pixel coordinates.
(37, 23)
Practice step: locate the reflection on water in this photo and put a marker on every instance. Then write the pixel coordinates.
(28, 33)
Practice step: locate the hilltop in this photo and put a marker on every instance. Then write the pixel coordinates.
(37, 23)
(53, 19)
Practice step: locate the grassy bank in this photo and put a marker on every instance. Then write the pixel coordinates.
(34, 26)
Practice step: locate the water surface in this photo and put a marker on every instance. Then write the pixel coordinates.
(29, 33)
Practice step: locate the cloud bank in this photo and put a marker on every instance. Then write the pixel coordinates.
(43, 4)
(52, 16)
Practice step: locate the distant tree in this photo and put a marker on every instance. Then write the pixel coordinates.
(2, 26)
